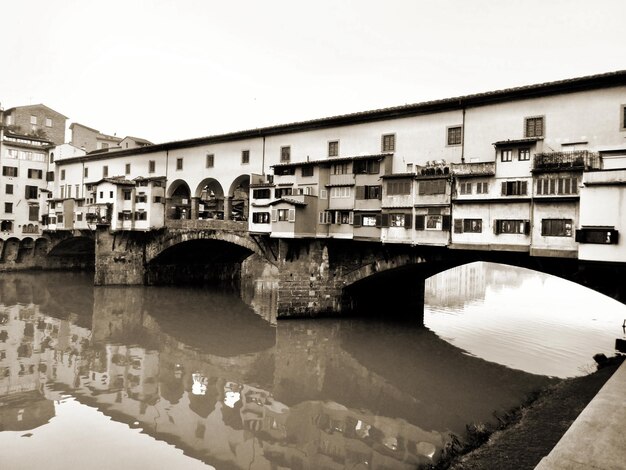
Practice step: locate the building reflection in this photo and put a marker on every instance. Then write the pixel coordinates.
(201, 372)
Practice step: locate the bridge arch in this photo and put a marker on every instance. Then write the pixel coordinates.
(10, 249)
(74, 246)
(26, 249)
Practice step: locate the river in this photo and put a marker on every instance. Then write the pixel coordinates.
(173, 377)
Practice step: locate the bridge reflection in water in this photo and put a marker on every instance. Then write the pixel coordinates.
(199, 370)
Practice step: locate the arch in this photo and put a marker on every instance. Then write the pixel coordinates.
(74, 246)
(239, 193)
(209, 196)
(178, 200)
(41, 246)
(26, 247)
(10, 250)
(173, 238)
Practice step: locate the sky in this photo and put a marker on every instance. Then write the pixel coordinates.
(171, 70)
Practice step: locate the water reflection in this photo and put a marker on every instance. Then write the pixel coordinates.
(199, 370)
(522, 319)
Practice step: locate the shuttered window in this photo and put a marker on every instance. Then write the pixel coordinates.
(534, 127)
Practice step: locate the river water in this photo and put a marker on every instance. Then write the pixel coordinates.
(183, 378)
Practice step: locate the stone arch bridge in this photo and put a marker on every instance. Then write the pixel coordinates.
(314, 277)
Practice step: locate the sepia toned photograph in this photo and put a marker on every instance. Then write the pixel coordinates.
(296, 235)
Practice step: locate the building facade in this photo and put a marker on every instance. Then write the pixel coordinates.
(521, 169)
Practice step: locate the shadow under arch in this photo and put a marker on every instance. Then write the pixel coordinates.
(239, 192)
(10, 249)
(198, 261)
(75, 246)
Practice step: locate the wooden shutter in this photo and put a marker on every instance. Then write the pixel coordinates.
(360, 192)
(356, 222)
(292, 215)
(274, 215)
(524, 188)
(445, 223)
(384, 222)
(527, 227)
(351, 218)
(458, 225)
(420, 222)
(496, 227)
(422, 188)
(379, 220)
(408, 221)
(504, 192)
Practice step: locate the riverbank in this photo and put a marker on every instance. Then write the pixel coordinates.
(529, 433)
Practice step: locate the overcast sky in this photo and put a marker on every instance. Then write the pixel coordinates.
(169, 70)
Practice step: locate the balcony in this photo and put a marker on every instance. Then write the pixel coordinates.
(474, 169)
(577, 160)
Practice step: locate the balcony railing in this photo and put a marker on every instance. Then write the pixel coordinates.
(474, 169)
(577, 160)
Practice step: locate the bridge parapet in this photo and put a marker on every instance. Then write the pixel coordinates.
(207, 224)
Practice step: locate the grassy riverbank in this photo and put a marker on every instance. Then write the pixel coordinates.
(529, 433)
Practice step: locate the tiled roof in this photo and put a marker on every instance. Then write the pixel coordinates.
(293, 202)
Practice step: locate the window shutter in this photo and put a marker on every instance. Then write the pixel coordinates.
(351, 218)
(544, 227)
(445, 223)
(274, 215)
(379, 193)
(379, 221)
(527, 227)
(374, 167)
(360, 192)
(320, 219)
(337, 218)
(292, 215)
(458, 225)
(419, 222)
(384, 220)
(356, 220)
(323, 194)
(504, 193)
(408, 221)
(496, 228)
(422, 188)
(524, 187)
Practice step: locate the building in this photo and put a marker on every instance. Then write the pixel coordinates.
(91, 139)
(36, 120)
(502, 170)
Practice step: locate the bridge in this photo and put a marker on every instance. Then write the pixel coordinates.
(314, 277)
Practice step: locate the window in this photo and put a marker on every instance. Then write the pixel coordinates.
(86, 172)
(79, 217)
(30, 192)
(333, 148)
(506, 155)
(48, 122)
(245, 157)
(400, 220)
(127, 169)
(8, 207)
(210, 160)
(533, 126)
(597, 235)
(141, 198)
(512, 226)
(285, 154)
(340, 192)
(623, 117)
(69, 191)
(307, 170)
(524, 155)
(548, 186)
(179, 163)
(6, 226)
(141, 215)
(388, 143)
(465, 188)
(101, 194)
(111, 194)
(261, 217)
(285, 171)
(9, 171)
(340, 169)
(127, 194)
(371, 167)
(432, 221)
(368, 192)
(50, 176)
(33, 120)
(105, 171)
(514, 188)
(398, 187)
(455, 135)
(468, 225)
(482, 187)
(556, 227)
(33, 212)
(342, 218)
(35, 174)
(368, 220)
(104, 145)
(432, 187)
(282, 192)
(151, 166)
(62, 175)
(8, 189)
(158, 199)
(261, 193)
(286, 215)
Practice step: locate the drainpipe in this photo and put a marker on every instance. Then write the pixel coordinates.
(263, 158)
(463, 137)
